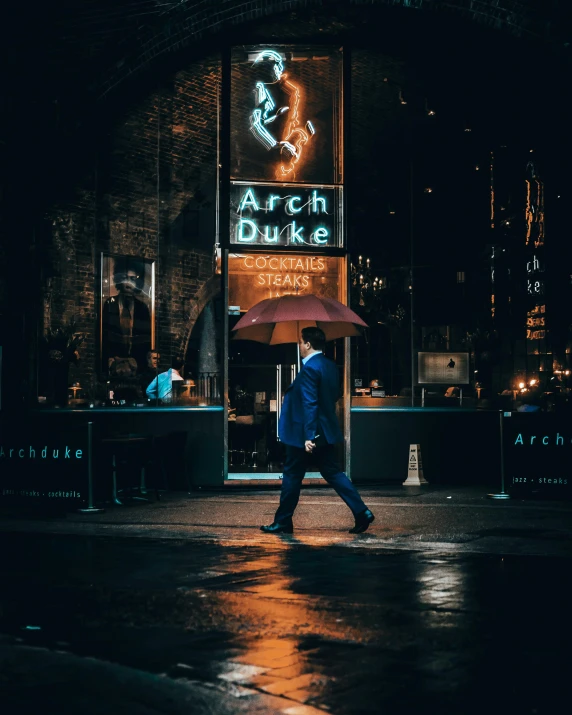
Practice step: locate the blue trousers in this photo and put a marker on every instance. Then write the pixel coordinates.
(295, 467)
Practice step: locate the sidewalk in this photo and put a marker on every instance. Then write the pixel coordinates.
(460, 519)
(183, 605)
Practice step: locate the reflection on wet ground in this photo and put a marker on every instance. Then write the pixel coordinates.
(322, 629)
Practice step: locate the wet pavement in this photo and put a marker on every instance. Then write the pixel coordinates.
(423, 613)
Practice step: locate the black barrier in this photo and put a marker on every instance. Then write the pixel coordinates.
(538, 454)
(90, 508)
(40, 465)
(502, 494)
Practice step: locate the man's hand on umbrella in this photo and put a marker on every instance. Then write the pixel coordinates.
(309, 445)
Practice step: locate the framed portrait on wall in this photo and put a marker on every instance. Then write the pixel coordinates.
(127, 314)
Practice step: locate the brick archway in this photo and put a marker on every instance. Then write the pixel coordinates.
(191, 22)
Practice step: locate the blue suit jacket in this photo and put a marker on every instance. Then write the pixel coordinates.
(309, 407)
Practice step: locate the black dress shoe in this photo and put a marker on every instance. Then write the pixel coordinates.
(278, 528)
(363, 520)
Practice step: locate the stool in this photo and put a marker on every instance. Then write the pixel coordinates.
(246, 437)
(159, 445)
(120, 446)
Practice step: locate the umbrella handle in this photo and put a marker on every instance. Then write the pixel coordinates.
(298, 343)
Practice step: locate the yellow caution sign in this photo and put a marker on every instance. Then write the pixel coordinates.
(415, 468)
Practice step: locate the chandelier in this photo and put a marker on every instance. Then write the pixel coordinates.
(366, 289)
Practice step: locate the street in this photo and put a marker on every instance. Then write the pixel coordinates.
(450, 605)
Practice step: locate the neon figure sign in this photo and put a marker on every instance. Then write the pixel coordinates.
(275, 121)
(283, 215)
(287, 211)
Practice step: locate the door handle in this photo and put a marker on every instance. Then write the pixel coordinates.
(278, 397)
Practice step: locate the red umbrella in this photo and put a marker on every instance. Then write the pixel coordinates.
(279, 320)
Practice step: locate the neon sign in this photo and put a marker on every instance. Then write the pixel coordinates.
(536, 323)
(255, 276)
(275, 120)
(296, 216)
(291, 274)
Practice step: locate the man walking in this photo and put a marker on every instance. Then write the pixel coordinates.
(308, 425)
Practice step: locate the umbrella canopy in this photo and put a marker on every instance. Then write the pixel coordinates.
(279, 320)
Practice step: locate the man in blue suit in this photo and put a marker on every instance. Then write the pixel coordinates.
(308, 425)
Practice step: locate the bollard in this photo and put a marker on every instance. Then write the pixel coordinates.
(502, 494)
(90, 509)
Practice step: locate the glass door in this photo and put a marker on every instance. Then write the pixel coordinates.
(258, 377)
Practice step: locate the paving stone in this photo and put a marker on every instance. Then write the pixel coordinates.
(286, 686)
(303, 710)
(268, 661)
(259, 680)
(240, 672)
(290, 671)
(300, 695)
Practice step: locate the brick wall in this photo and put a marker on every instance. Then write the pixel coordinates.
(150, 193)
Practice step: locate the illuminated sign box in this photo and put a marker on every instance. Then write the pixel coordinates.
(443, 368)
(253, 277)
(286, 215)
(538, 448)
